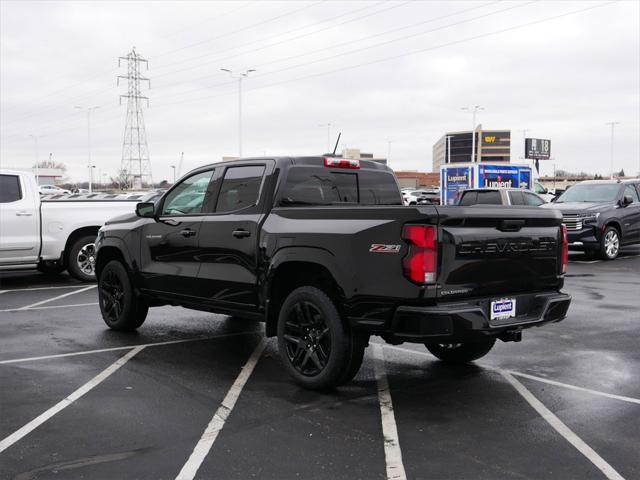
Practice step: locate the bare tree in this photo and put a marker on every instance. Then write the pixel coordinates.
(121, 180)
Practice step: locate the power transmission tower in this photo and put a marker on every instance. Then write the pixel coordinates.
(135, 152)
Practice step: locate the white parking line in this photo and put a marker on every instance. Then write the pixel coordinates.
(51, 299)
(533, 377)
(23, 309)
(127, 347)
(575, 387)
(33, 289)
(562, 429)
(216, 424)
(64, 403)
(392, 452)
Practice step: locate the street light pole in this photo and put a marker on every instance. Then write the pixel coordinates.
(474, 110)
(89, 110)
(240, 76)
(174, 174)
(613, 125)
(448, 137)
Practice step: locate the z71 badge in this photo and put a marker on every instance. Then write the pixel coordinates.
(381, 248)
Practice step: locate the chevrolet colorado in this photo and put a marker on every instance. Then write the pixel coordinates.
(322, 250)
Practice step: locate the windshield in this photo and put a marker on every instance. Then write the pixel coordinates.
(607, 192)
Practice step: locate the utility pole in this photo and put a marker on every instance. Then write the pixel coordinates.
(448, 137)
(89, 110)
(239, 76)
(135, 151)
(35, 143)
(389, 151)
(174, 174)
(613, 126)
(474, 110)
(524, 142)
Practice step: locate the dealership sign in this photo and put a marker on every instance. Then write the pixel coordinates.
(537, 148)
(504, 176)
(454, 182)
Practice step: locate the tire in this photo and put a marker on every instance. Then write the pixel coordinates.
(316, 346)
(50, 268)
(121, 309)
(80, 260)
(460, 352)
(610, 244)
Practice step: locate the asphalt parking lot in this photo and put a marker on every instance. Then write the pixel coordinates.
(174, 401)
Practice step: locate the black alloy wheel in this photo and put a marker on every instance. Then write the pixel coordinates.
(317, 347)
(308, 342)
(111, 295)
(121, 308)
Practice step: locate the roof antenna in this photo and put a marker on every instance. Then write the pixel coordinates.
(336, 147)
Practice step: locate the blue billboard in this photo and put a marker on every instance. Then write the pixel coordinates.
(454, 181)
(504, 176)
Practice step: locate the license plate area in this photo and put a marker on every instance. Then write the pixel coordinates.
(502, 309)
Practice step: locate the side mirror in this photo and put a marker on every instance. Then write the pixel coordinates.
(145, 209)
(626, 200)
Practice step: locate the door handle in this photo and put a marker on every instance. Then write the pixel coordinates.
(24, 214)
(241, 233)
(187, 233)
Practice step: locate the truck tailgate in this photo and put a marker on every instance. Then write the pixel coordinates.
(489, 250)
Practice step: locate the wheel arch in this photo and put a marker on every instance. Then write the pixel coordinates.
(299, 267)
(73, 238)
(112, 249)
(615, 223)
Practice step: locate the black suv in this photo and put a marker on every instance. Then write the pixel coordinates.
(601, 215)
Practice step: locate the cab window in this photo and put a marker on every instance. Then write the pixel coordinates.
(240, 188)
(10, 188)
(629, 191)
(516, 198)
(531, 199)
(189, 196)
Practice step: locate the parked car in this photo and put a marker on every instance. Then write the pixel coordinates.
(543, 192)
(601, 215)
(51, 189)
(500, 196)
(420, 197)
(322, 250)
(50, 234)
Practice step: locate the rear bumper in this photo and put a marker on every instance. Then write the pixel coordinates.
(468, 321)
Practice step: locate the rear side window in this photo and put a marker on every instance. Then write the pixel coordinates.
(10, 188)
(315, 186)
(468, 198)
(240, 188)
(516, 198)
(489, 198)
(378, 189)
(532, 200)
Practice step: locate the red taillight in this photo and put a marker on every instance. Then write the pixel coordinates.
(420, 263)
(342, 163)
(565, 248)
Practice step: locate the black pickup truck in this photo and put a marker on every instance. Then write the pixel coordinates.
(322, 250)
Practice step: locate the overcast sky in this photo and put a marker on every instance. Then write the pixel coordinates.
(378, 71)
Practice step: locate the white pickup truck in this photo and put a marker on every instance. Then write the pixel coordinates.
(50, 235)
